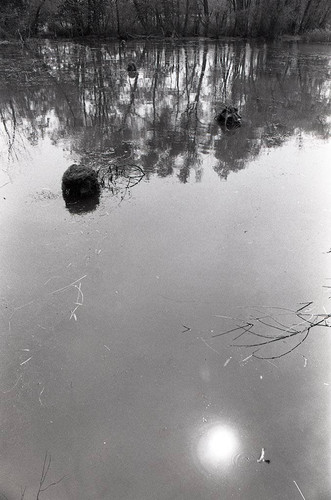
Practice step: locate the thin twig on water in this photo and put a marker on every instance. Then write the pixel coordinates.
(296, 484)
(68, 286)
(24, 362)
(229, 331)
(41, 392)
(13, 387)
(210, 347)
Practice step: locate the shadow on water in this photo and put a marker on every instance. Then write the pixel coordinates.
(172, 103)
(81, 205)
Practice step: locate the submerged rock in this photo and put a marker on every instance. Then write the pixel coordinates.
(229, 117)
(132, 67)
(79, 181)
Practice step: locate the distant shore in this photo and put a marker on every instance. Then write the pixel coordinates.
(314, 36)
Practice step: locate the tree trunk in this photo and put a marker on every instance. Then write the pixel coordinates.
(139, 14)
(35, 22)
(187, 8)
(325, 17)
(303, 19)
(118, 19)
(206, 17)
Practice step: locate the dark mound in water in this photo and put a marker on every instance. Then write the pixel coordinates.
(229, 117)
(80, 189)
(131, 67)
(79, 182)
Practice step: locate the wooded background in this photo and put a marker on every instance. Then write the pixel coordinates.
(166, 18)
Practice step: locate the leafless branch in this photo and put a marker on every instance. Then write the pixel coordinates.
(266, 327)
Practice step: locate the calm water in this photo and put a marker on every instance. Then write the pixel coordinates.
(111, 356)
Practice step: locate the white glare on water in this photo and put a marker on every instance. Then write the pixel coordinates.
(217, 446)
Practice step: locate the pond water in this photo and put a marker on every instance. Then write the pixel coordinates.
(116, 369)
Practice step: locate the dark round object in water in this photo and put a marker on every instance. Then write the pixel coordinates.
(131, 67)
(229, 117)
(79, 182)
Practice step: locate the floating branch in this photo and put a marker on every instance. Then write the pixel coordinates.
(80, 296)
(267, 331)
(119, 179)
(79, 301)
(68, 286)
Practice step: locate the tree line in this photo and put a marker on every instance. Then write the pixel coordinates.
(162, 18)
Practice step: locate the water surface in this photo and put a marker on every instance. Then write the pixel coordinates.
(111, 358)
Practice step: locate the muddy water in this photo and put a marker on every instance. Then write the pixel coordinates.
(113, 358)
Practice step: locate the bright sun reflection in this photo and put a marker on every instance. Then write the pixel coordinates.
(217, 446)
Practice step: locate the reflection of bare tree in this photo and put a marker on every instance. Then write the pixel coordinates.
(167, 114)
(43, 478)
(44, 473)
(12, 133)
(276, 332)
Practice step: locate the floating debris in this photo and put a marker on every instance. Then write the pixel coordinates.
(79, 301)
(73, 315)
(279, 330)
(227, 361)
(23, 362)
(40, 401)
(210, 347)
(68, 286)
(262, 459)
(13, 387)
(296, 484)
